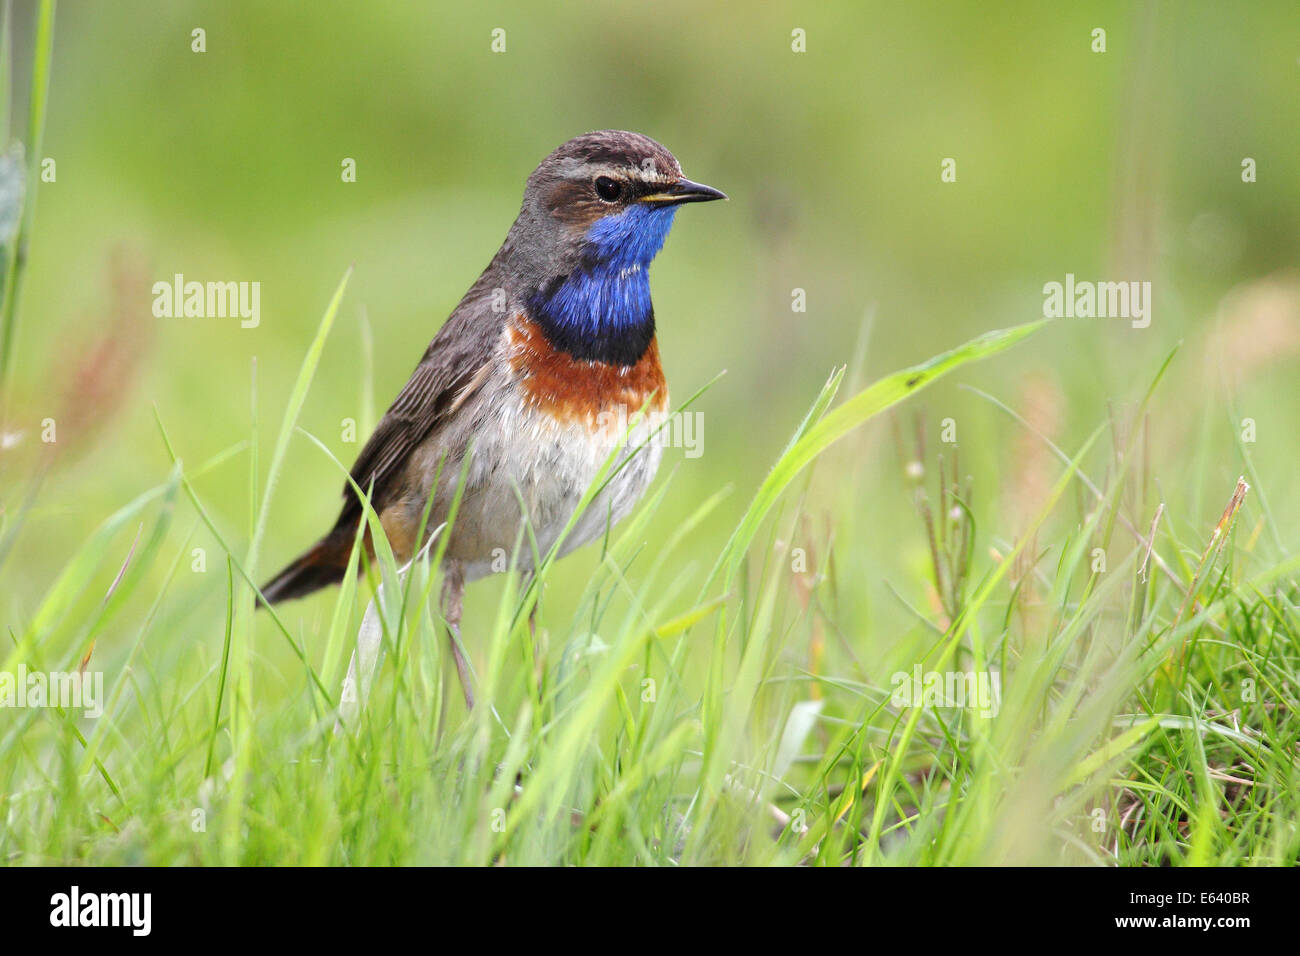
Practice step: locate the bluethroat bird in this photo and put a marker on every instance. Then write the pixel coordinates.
(533, 378)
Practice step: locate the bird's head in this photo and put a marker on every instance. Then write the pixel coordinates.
(607, 197)
(595, 213)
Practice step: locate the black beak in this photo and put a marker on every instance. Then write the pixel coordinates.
(684, 191)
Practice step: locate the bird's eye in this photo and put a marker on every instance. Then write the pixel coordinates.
(608, 189)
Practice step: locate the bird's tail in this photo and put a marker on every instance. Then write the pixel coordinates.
(323, 564)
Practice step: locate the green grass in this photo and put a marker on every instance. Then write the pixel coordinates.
(689, 711)
(21, 193)
(713, 682)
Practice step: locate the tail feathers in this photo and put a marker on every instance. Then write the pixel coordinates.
(322, 565)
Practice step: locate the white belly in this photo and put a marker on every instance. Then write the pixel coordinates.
(523, 453)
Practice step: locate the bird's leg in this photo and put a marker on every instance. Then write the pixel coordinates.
(453, 603)
(539, 652)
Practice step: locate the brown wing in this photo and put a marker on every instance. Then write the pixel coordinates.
(453, 365)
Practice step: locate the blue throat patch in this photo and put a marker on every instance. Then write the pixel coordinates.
(602, 311)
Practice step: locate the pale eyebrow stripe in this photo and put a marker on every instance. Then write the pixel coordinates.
(573, 167)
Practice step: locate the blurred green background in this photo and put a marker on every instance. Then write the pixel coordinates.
(225, 165)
